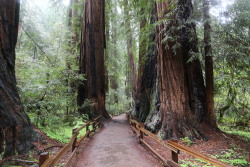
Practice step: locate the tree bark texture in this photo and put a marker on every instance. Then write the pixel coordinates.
(210, 112)
(92, 59)
(182, 91)
(15, 127)
(148, 107)
(142, 54)
(131, 62)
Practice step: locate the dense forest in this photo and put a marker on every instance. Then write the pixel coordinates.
(181, 67)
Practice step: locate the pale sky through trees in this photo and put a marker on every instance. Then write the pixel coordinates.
(215, 10)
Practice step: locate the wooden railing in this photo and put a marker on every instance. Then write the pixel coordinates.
(46, 161)
(171, 145)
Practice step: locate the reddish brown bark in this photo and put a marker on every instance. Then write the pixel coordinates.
(181, 83)
(142, 55)
(92, 58)
(15, 127)
(210, 112)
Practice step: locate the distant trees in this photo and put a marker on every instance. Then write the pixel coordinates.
(230, 41)
(91, 61)
(15, 128)
(132, 76)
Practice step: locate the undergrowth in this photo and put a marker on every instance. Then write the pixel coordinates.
(244, 134)
(63, 134)
(233, 156)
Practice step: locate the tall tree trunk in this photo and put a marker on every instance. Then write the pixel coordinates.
(142, 55)
(15, 127)
(131, 62)
(91, 61)
(210, 112)
(182, 90)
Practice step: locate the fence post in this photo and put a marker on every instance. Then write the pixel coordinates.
(174, 154)
(129, 121)
(98, 121)
(43, 158)
(141, 132)
(93, 126)
(74, 143)
(87, 129)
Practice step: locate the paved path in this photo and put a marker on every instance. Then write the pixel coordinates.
(114, 146)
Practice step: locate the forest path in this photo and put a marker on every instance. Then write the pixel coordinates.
(114, 145)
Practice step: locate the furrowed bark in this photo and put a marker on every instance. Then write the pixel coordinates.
(182, 91)
(210, 112)
(16, 132)
(92, 59)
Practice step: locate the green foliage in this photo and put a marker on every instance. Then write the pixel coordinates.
(46, 80)
(64, 133)
(242, 132)
(187, 141)
(233, 156)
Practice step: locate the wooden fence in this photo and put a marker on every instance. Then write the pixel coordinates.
(172, 145)
(46, 161)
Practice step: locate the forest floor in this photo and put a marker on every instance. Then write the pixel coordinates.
(115, 145)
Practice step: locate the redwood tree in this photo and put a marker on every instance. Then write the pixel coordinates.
(210, 113)
(15, 127)
(91, 61)
(182, 91)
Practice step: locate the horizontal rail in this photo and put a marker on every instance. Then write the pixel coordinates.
(54, 160)
(71, 157)
(153, 151)
(173, 146)
(73, 144)
(79, 129)
(206, 158)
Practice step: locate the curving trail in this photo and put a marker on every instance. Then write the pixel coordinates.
(114, 146)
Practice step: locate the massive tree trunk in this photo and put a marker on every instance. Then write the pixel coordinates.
(15, 127)
(210, 112)
(182, 91)
(92, 59)
(131, 62)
